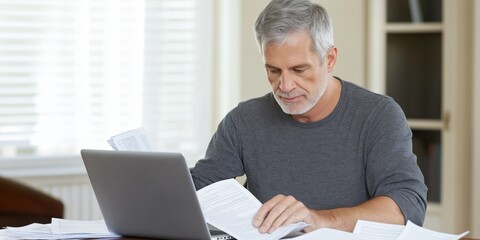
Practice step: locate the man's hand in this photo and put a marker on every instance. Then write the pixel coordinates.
(284, 210)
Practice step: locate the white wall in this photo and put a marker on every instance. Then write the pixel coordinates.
(253, 82)
(476, 124)
(350, 32)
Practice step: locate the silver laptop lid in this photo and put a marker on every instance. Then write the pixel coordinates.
(145, 194)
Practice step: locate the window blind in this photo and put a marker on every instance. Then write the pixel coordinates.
(73, 73)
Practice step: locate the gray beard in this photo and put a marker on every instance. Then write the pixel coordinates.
(310, 104)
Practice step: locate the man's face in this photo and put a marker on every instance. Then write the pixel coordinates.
(296, 74)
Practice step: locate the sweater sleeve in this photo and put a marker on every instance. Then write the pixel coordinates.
(391, 166)
(223, 158)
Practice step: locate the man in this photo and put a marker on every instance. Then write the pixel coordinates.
(316, 149)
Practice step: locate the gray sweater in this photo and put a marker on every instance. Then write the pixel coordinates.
(362, 150)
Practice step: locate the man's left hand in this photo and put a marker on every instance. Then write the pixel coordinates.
(283, 210)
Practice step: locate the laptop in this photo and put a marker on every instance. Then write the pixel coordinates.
(147, 194)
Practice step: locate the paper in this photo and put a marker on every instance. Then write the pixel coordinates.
(381, 231)
(412, 231)
(326, 233)
(59, 229)
(228, 206)
(74, 229)
(65, 226)
(133, 140)
(366, 230)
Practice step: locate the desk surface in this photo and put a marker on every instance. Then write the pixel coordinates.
(130, 238)
(144, 238)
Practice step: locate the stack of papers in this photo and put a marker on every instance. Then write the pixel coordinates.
(59, 229)
(364, 230)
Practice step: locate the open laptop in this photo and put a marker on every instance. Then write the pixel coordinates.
(146, 194)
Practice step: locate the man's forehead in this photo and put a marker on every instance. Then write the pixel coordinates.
(297, 42)
(289, 55)
(298, 37)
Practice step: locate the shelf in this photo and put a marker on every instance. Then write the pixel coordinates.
(413, 27)
(420, 63)
(422, 124)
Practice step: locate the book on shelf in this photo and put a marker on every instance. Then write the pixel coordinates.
(433, 171)
(415, 11)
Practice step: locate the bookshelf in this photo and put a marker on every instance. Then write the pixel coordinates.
(418, 57)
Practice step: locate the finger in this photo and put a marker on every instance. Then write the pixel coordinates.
(295, 212)
(265, 209)
(274, 214)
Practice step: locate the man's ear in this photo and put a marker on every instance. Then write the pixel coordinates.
(331, 58)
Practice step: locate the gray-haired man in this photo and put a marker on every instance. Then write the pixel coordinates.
(316, 149)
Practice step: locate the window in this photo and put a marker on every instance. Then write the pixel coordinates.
(73, 73)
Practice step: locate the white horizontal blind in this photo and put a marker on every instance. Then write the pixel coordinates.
(75, 72)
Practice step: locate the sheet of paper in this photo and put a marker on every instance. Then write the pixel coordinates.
(413, 231)
(31, 231)
(228, 206)
(366, 230)
(65, 226)
(44, 231)
(110, 142)
(133, 140)
(327, 234)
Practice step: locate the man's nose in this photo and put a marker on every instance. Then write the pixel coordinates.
(287, 82)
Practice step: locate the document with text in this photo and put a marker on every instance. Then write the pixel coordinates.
(366, 230)
(412, 231)
(133, 140)
(230, 207)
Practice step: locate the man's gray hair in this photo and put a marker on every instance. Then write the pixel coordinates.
(280, 18)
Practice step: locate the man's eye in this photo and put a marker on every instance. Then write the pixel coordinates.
(274, 71)
(299, 70)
